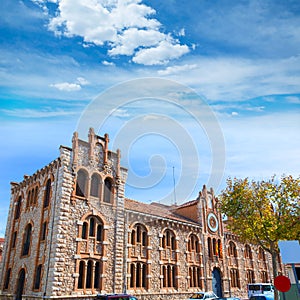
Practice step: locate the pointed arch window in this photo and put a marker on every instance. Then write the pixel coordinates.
(107, 190)
(37, 280)
(7, 279)
(95, 184)
(47, 193)
(18, 208)
(27, 240)
(81, 184)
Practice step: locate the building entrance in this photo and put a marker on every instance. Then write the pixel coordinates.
(217, 282)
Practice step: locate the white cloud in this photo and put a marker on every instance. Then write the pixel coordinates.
(71, 87)
(82, 81)
(123, 26)
(161, 54)
(35, 113)
(177, 69)
(66, 86)
(108, 63)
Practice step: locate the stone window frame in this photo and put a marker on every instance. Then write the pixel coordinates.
(215, 249)
(169, 259)
(38, 277)
(18, 208)
(87, 186)
(250, 276)
(235, 278)
(7, 279)
(248, 252)
(47, 193)
(95, 185)
(82, 182)
(32, 196)
(90, 266)
(108, 191)
(27, 237)
(138, 255)
(195, 277)
(194, 260)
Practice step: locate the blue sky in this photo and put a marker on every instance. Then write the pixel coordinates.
(234, 65)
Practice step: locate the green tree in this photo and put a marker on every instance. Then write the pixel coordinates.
(263, 212)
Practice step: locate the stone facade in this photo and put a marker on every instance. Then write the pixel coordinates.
(71, 233)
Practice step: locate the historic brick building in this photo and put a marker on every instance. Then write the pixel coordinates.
(71, 233)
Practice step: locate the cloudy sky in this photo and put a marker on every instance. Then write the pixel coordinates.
(191, 92)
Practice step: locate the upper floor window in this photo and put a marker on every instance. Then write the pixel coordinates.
(232, 249)
(95, 185)
(168, 240)
(81, 184)
(261, 254)
(139, 235)
(27, 240)
(107, 190)
(47, 193)
(193, 244)
(92, 227)
(18, 208)
(248, 252)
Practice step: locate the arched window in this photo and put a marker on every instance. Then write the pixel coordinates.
(195, 277)
(84, 230)
(95, 184)
(27, 240)
(47, 193)
(99, 232)
(37, 280)
(138, 275)
(81, 183)
(44, 231)
(97, 275)
(232, 249)
(209, 246)
(220, 250)
(20, 284)
(169, 240)
(89, 270)
(193, 251)
(36, 195)
(234, 278)
(18, 208)
(7, 278)
(28, 199)
(89, 274)
(107, 190)
(169, 276)
(248, 252)
(81, 275)
(92, 227)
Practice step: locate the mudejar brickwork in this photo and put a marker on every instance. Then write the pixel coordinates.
(72, 233)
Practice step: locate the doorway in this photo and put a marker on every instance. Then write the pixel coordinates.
(217, 282)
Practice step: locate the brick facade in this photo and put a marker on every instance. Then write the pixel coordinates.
(71, 233)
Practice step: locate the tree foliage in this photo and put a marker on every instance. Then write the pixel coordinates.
(263, 212)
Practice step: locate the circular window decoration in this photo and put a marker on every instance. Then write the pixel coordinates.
(212, 222)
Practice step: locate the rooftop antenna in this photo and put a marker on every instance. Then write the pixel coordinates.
(175, 201)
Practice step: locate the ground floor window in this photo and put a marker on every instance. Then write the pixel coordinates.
(235, 278)
(89, 275)
(195, 277)
(169, 273)
(138, 275)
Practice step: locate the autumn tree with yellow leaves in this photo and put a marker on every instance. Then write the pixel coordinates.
(263, 212)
